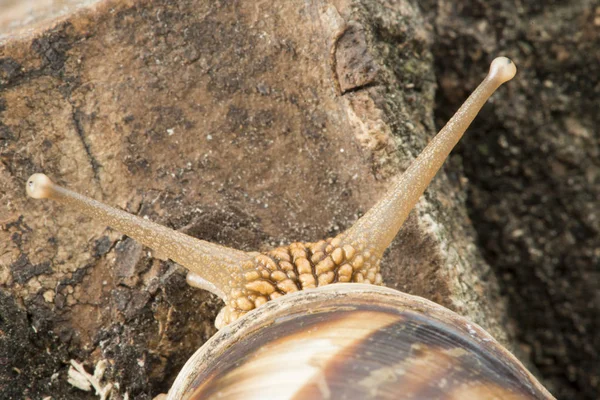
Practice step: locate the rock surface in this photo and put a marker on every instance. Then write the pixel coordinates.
(533, 168)
(254, 124)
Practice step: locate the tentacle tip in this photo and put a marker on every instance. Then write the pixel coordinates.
(38, 186)
(503, 69)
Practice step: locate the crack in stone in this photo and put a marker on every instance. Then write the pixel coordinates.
(359, 88)
(76, 116)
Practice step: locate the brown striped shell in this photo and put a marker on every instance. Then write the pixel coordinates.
(354, 341)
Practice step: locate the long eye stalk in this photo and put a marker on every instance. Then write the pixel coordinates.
(378, 227)
(214, 263)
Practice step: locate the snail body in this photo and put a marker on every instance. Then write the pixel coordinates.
(310, 320)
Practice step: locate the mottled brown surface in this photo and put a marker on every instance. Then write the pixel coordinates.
(532, 169)
(227, 121)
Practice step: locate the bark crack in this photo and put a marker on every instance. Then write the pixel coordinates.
(77, 116)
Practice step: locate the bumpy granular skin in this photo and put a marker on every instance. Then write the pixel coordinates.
(297, 267)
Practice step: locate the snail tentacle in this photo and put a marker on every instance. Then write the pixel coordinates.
(244, 280)
(214, 263)
(378, 227)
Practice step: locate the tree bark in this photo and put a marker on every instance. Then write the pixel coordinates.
(254, 124)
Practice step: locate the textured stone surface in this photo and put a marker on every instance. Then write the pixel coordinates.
(256, 124)
(532, 171)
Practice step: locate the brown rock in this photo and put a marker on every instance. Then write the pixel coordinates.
(533, 173)
(247, 124)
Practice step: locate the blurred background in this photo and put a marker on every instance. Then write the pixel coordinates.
(15, 15)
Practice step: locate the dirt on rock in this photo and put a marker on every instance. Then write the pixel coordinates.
(257, 124)
(533, 170)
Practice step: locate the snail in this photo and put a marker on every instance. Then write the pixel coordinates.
(314, 321)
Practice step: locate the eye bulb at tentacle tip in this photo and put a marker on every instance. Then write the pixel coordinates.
(503, 69)
(38, 186)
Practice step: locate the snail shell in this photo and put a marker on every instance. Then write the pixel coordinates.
(354, 341)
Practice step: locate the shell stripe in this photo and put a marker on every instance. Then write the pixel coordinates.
(255, 364)
(418, 358)
(359, 353)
